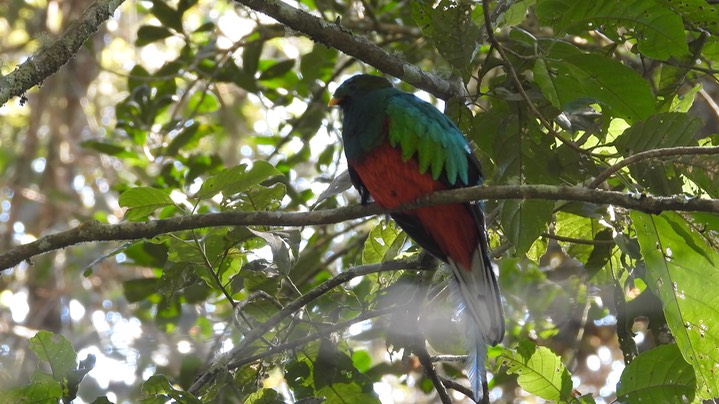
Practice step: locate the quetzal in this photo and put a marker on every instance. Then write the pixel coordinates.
(399, 148)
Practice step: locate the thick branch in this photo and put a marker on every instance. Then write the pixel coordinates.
(335, 36)
(48, 61)
(96, 231)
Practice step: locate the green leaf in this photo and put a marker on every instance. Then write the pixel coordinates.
(43, 389)
(264, 396)
(668, 129)
(75, 376)
(139, 289)
(108, 147)
(683, 102)
(660, 375)
(231, 181)
(696, 13)
(326, 371)
(167, 15)
(206, 27)
(159, 387)
(184, 5)
(251, 56)
(520, 151)
(57, 351)
(383, 243)
(703, 170)
(280, 249)
(524, 220)
(202, 102)
(142, 201)
(187, 138)
(278, 69)
(318, 64)
(264, 198)
(148, 34)
(684, 272)
(515, 14)
(658, 30)
(540, 371)
(589, 78)
(450, 26)
(361, 360)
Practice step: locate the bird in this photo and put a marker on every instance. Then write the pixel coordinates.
(400, 148)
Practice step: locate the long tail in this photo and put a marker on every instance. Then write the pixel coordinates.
(477, 294)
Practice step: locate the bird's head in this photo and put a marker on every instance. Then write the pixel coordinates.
(357, 87)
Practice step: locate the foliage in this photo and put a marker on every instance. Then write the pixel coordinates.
(215, 108)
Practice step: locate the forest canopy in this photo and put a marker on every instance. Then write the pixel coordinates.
(177, 222)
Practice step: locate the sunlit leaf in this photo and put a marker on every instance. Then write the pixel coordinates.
(265, 396)
(237, 179)
(684, 273)
(56, 350)
(202, 103)
(142, 201)
(591, 78)
(43, 389)
(383, 243)
(658, 375)
(539, 371)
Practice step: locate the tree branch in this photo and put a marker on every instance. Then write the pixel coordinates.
(335, 36)
(298, 342)
(425, 360)
(237, 356)
(649, 154)
(96, 231)
(48, 61)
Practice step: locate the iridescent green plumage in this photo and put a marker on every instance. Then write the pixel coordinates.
(420, 130)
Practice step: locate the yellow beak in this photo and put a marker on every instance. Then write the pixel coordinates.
(333, 102)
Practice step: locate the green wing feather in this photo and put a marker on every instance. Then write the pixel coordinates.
(422, 132)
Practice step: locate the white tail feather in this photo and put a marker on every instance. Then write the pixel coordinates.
(477, 294)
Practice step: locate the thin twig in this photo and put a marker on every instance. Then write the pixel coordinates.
(297, 342)
(230, 359)
(518, 83)
(649, 154)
